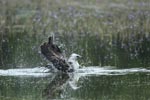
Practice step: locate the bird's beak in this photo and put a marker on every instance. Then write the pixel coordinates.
(79, 56)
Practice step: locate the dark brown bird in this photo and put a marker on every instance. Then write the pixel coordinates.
(53, 53)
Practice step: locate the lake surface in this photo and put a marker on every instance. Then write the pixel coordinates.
(89, 83)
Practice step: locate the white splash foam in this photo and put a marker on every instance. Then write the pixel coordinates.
(86, 71)
(109, 71)
(38, 71)
(95, 70)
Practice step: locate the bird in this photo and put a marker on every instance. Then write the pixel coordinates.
(73, 61)
(53, 53)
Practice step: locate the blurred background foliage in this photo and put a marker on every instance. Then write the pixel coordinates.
(105, 32)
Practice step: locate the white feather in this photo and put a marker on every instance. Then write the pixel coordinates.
(73, 61)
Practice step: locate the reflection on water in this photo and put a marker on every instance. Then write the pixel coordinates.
(87, 83)
(55, 87)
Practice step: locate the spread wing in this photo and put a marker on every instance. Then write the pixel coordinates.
(53, 53)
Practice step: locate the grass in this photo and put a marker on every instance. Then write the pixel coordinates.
(106, 32)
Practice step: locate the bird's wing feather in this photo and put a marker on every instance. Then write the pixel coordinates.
(54, 55)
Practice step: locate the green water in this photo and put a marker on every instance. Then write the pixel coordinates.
(101, 87)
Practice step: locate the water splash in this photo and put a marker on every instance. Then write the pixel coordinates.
(109, 71)
(37, 72)
(95, 70)
(86, 71)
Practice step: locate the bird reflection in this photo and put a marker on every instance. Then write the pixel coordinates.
(55, 88)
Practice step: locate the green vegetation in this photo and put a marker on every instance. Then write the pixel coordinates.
(106, 32)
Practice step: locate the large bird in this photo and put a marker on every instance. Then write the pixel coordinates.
(53, 53)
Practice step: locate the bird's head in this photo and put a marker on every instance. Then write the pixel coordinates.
(73, 61)
(74, 56)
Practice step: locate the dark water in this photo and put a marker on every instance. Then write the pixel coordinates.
(98, 84)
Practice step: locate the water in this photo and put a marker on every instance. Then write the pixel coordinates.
(106, 33)
(89, 83)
